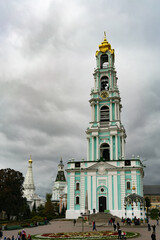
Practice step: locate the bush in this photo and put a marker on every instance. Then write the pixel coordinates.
(154, 213)
(37, 219)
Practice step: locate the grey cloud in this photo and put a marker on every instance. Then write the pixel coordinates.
(46, 65)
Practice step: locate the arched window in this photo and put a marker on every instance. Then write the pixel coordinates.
(104, 83)
(105, 151)
(104, 114)
(77, 186)
(128, 185)
(77, 200)
(104, 61)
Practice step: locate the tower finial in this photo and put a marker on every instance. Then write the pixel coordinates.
(105, 36)
(30, 160)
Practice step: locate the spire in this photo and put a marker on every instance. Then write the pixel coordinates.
(29, 182)
(105, 36)
(30, 160)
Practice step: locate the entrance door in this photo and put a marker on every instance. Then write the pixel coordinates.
(102, 204)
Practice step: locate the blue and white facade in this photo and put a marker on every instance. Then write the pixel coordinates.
(106, 177)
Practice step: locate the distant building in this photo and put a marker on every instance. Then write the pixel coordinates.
(29, 189)
(59, 187)
(153, 193)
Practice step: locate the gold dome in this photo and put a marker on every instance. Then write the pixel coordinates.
(30, 160)
(105, 46)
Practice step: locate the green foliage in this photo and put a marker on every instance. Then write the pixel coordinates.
(40, 211)
(148, 202)
(154, 213)
(26, 210)
(49, 207)
(37, 219)
(11, 192)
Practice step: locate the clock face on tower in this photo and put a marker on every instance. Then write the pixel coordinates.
(104, 94)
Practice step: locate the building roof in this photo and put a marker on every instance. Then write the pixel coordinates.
(151, 189)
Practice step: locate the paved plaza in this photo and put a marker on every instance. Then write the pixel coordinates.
(68, 226)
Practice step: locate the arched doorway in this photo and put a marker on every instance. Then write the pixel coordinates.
(102, 204)
(105, 151)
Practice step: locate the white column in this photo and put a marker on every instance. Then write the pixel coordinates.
(94, 83)
(115, 192)
(116, 137)
(88, 146)
(111, 148)
(92, 112)
(89, 191)
(122, 146)
(115, 111)
(72, 191)
(97, 111)
(97, 147)
(110, 110)
(82, 192)
(122, 189)
(94, 191)
(93, 148)
(118, 111)
(110, 190)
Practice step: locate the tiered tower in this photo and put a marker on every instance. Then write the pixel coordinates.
(107, 180)
(29, 187)
(59, 184)
(106, 134)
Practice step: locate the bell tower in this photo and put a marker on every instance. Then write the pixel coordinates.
(105, 134)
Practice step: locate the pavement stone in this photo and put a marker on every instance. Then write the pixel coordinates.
(68, 226)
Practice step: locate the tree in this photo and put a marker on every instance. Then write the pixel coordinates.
(154, 213)
(40, 211)
(148, 204)
(49, 208)
(11, 192)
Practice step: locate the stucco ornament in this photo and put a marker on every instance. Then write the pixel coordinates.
(101, 169)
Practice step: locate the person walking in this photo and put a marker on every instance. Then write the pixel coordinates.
(154, 227)
(149, 227)
(119, 233)
(1, 234)
(94, 226)
(114, 227)
(153, 236)
(157, 221)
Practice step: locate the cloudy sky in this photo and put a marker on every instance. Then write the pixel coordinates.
(47, 57)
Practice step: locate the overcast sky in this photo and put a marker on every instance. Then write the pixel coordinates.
(47, 58)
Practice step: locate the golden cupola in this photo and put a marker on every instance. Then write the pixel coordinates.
(105, 46)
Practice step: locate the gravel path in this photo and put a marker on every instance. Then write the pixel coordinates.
(67, 226)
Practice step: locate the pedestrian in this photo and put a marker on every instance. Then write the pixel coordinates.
(94, 226)
(123, 235)
(153, 236)
(29, 237)
(157, 221)
(74, 222)
(114, 226)
(1, 234)
(154, 227)
(119, 233)
(149, 227)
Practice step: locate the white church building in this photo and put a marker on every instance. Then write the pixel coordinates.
(106, 181)
(29, 189)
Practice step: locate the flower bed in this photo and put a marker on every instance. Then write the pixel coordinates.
(85, 235)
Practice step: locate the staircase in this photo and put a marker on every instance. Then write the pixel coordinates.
(102, 217)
